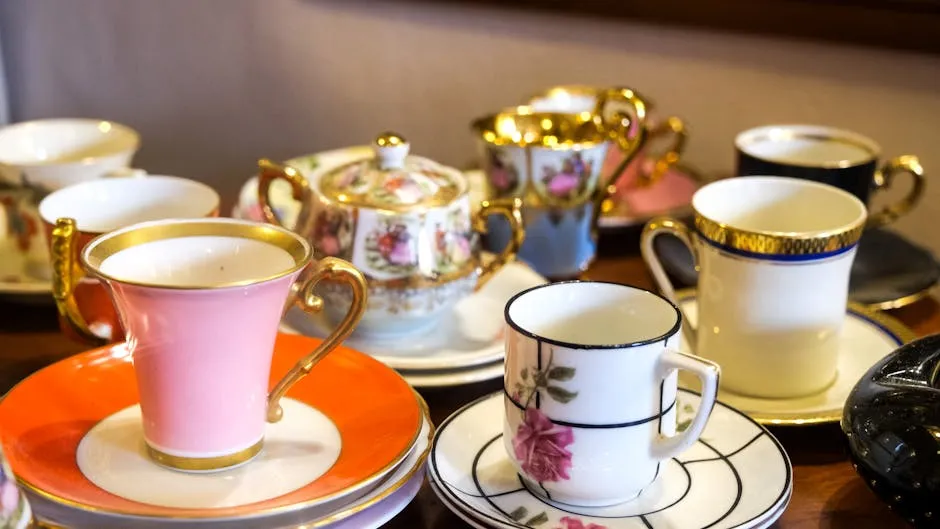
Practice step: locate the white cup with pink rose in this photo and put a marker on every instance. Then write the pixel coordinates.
(591, 387)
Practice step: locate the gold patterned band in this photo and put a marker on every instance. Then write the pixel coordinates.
(772, 244)
(205, 464)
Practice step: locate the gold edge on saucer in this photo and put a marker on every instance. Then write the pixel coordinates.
(419, 464)
(889, 323)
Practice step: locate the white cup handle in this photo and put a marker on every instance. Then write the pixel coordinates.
(677, 228)
(126, 172)
(708, 372)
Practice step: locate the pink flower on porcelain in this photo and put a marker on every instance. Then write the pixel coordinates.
(562, 184)
(9, 497)
(573, 523)
(539, 447)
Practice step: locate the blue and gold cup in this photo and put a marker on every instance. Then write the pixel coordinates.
(553, 162)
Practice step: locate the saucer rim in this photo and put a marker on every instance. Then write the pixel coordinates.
(483, 373)
(229, 514)
(782, 499)
(885, 323)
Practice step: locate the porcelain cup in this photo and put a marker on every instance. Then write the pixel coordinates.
(774, 256)
(39, 157)
(200, 301)
(590, 390)
(575, 99)
(552, 162)
(833, 156)
(101, 206)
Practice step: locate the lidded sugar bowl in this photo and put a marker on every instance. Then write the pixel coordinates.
(405, 222)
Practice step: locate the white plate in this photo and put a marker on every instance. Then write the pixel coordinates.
(736, 476)
(867, 336)
(471, 335)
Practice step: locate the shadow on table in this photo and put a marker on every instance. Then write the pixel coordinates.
(854, 505)
(812, 445)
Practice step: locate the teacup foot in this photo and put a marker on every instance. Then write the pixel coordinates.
(205, 464)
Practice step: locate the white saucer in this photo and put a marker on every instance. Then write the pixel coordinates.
(867, 336)
(454, 377)
(297, 451)
(736, 476)
(472, 335)
(364, 510)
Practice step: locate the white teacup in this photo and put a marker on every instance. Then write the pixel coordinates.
(590, 390)
(42, 156)
(53, 153)
(774, 256)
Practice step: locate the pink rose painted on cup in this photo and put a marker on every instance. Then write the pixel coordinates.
(540, 447)
(573, 523)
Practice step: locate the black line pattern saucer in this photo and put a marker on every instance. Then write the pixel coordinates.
(736, 477)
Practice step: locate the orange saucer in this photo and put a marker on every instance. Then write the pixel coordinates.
(43, 419)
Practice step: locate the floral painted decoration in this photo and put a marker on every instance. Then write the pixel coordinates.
(333, 232)
(539, 445)
(21, 227)
(521, 515)
(569, 180)
(392, 248)
(453, 242)
(502, 173)
(12, 506)
(363, 183)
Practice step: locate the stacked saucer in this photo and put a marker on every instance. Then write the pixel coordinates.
(349, 451)
(736, 475)
(467, 346)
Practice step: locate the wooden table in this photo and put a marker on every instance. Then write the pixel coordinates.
(826, 491)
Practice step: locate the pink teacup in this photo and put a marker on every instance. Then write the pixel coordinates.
(200, 301)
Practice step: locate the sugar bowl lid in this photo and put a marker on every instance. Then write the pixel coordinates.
(392, 179)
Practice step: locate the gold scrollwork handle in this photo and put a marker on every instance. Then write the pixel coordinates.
(327, 269)
(512, 210)
(628, 132)
(675, 128)
(268, 173)
(66, 273)
(884, 178)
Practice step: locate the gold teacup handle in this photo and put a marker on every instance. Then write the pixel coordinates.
(66, 273)
(511, 208)
(268, 173)
(885, 177)
(622, 133)
(671, 126)
(327, 269)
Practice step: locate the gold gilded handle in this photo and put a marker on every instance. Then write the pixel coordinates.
(268, 173)
(512, 210)
(884, 178)
(675, 128)
(628, 132)
(66, 273)
(330, 269)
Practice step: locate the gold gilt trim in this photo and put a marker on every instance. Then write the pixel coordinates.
(109, 244)
(205, 464)
(777, 243)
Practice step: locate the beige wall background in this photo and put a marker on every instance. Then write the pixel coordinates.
(215, 84)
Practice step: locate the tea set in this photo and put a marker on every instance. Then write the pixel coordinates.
(259, 370)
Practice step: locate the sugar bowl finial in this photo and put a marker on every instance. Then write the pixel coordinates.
(391, 149)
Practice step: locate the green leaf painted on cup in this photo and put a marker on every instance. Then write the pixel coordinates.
(561, 373)
(525, 373)
(518, 514)
(538, 519)
(560, 394)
